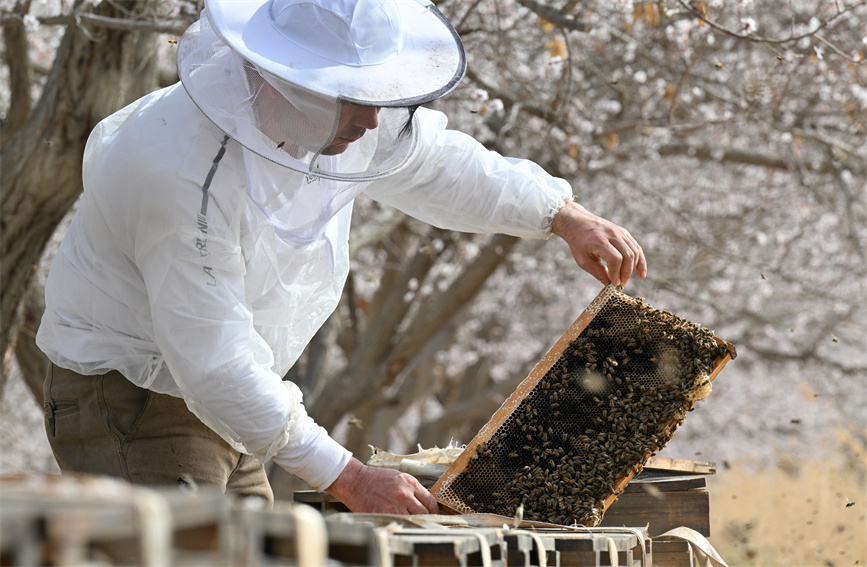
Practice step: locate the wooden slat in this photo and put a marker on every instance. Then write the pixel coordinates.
(519, 547)
(433, 549)
(671, 484)
(671, 554)
(680, 465)
(661, 511)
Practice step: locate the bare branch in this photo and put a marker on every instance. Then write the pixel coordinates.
(376, 229)
(760, 39)
(556, 17)
(683, 77)
(466, 15)
(11, 21)
(509, 101)
(436, 312)
(20, 77)
(837, 50)
(746, 157)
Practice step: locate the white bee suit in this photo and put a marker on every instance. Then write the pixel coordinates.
(174, 275)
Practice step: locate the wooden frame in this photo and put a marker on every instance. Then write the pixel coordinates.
(440, 488)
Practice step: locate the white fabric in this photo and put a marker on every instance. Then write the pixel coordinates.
(372, 52)
(193, 292)
(700, 548)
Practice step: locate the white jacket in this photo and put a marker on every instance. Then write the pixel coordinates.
(170, 274)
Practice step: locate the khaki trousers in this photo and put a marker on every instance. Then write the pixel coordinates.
(106, 425)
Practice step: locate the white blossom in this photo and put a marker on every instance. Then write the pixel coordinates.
(609, 107)
(31, 22)
(749, 25)
(555, 64)
(860, 94)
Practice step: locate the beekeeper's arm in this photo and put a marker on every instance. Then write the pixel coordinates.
(194, 268)
(456, 183)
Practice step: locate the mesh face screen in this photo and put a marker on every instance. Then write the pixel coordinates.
(608, 395)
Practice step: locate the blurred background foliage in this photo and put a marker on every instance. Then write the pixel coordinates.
(728, 137)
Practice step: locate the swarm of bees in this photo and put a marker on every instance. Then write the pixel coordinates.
(613, 398)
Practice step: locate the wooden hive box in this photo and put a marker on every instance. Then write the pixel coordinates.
(667, 494)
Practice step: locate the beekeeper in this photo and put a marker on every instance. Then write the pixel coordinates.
(211, 240)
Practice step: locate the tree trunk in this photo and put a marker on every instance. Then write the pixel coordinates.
(41, 175)
(373, 369)
(32, 363)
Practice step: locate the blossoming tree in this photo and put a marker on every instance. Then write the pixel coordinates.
(728, 137)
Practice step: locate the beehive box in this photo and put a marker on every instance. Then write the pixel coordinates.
(610, 393)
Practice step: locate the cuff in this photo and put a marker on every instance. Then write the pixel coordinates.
(318, 460)
(548, 222)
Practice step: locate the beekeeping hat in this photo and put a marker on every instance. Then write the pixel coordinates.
(319, 55)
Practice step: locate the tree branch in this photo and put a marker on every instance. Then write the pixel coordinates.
(434, 313)
(13, 21)
(760, 39)
(745, 157)
(20, 79)
(376, 229)
(556, 17)
(508, 101)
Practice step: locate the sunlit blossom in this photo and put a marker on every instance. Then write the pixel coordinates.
(31, 22)
(556, 64)
(749, 25)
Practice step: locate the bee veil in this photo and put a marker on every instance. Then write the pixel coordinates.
(274, 75)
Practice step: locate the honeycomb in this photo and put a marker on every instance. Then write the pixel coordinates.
(608, 395)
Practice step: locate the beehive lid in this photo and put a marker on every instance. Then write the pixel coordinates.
(608, 394)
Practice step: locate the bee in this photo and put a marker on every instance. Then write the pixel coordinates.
(173, 41)
(280, 145)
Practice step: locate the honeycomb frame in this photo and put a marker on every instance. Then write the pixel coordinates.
(557, 486)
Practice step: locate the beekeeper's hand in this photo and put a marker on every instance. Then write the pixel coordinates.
(381, 490)
(604, 250)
